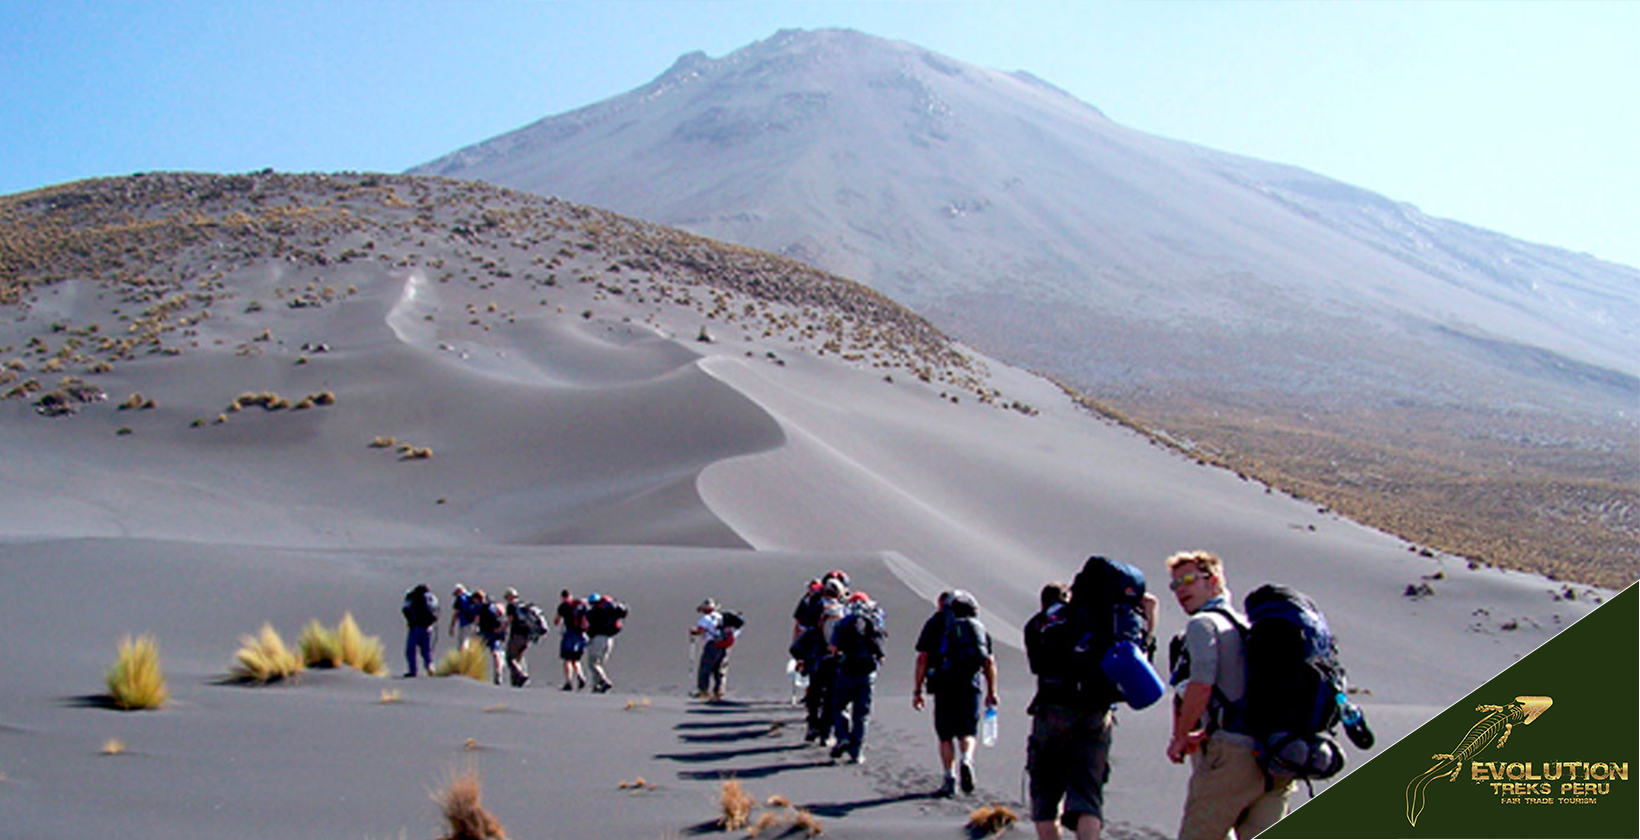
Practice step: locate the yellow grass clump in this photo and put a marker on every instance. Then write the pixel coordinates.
(391, 695)
(469, 661)
(991, 820)
(461, 800)
(358, 650)
(736, 806)
(384, 442)
(113, 746)
(263, 658)
(347, 645)
(136, 681)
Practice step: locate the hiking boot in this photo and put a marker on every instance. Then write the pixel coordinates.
(569, 686)
(967, 777)
(837, 751)
(580, 683)
(948, 788)
(856, 760)
(814, 736)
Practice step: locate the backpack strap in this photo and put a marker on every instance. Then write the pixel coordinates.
(1227, 712)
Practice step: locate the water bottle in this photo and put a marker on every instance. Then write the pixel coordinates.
(1355, 723)
(988, 728)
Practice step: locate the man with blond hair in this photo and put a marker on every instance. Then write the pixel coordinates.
(1229, 789)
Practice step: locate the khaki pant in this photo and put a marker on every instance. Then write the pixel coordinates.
(1227, 790)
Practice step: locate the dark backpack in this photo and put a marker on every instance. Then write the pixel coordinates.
(1066, 645)
(961, 652)
(535, 621)
(490, 620)
(858, 638)
(577, 620)
(605, 617)
(420, 607)
(1294, 680)
(730, 624)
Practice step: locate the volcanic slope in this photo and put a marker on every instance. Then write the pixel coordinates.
(271, 398)
(1435, 379)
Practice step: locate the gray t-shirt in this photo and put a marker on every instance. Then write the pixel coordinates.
(1216, 659)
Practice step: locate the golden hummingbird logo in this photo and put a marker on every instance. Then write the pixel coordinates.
(1496, 726)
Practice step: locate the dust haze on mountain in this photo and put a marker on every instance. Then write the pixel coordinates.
(1422, 374)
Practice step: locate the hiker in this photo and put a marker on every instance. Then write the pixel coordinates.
(1228, 787)
(492, 631)
(953, 652)
(809, 648)
(604, 616)
(717, 634)
(832, 608)
(857, 649)
(518, 640)
(463, 614)
(1068, 645)
(420, 616)
(572, 617)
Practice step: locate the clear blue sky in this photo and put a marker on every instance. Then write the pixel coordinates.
(1515, 116)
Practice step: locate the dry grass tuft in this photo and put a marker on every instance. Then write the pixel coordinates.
(778, 801)
(136, 681)
(346, 645)
(766, 821)
(637, 784)
(391, 695)
(461, 800)
(470, 744)
(318, 646)
(635, 705)
(263, 658)
(991, 820)
(384, 442)
(469, 661)
(736, 806)
(808, 823)
(113, 746)
(358, 650)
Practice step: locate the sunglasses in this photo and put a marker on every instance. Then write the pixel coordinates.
(1185, 579)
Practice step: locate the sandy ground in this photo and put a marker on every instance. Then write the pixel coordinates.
(603, 454)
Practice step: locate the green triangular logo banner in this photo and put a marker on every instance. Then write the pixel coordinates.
(1572, 771)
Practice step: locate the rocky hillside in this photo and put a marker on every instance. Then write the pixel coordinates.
(158, 248)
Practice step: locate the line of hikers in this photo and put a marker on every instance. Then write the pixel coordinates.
(1258, 692)
(588, 628)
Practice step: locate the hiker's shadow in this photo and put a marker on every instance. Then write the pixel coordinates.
(730, 724)
(725, 755)
(726, 773)
(725, 737)
(843, 809)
